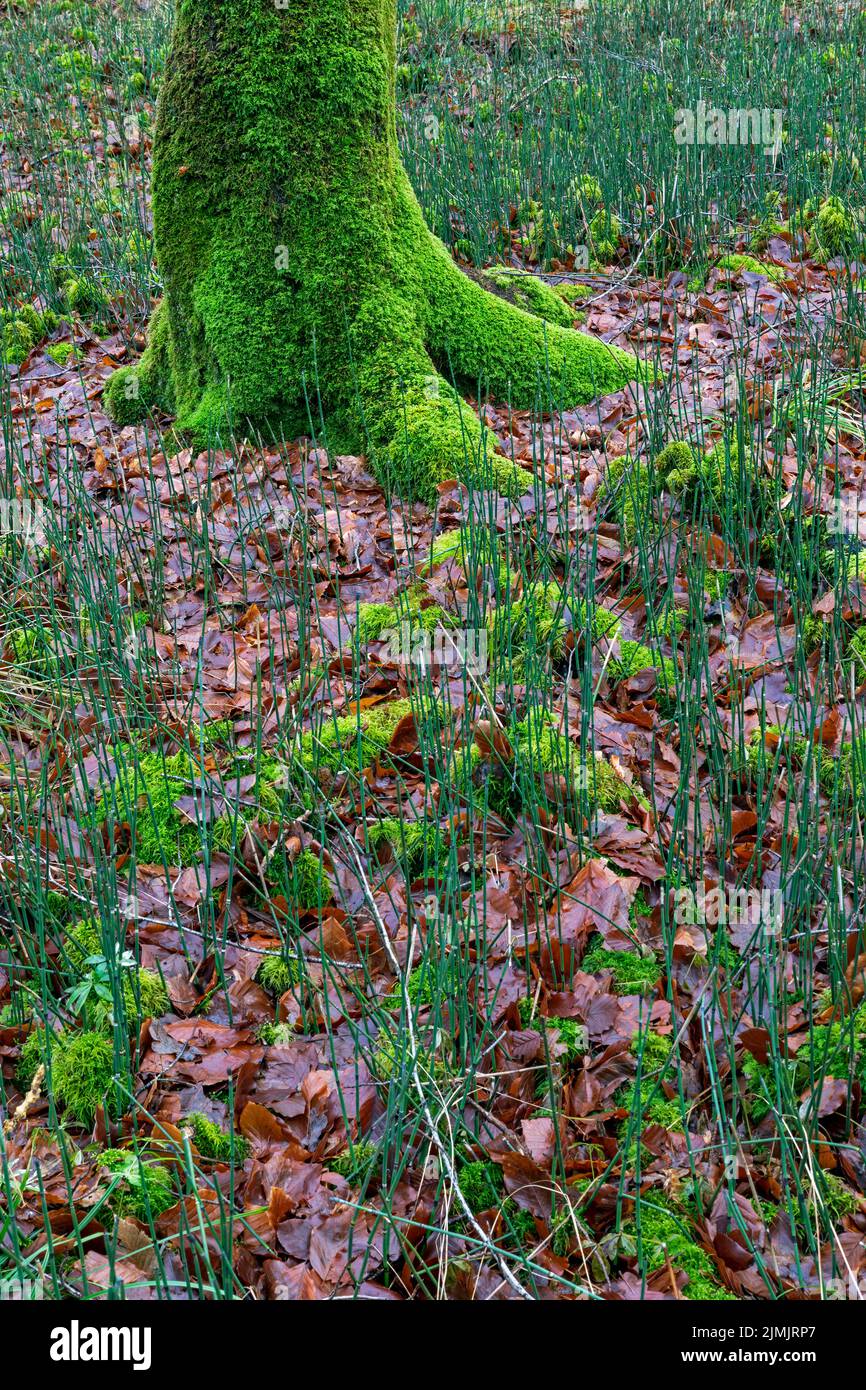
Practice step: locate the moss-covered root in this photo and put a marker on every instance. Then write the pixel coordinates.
(296, 259)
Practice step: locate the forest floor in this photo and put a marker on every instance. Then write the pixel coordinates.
(463, 902)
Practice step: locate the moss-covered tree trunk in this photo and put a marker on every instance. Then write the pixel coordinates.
(296, 260)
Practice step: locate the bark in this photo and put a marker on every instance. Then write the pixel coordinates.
(297, 264)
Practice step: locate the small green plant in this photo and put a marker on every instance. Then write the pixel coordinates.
(83, 1073)
(632, 973)
(139, 1187)
(220, 1146)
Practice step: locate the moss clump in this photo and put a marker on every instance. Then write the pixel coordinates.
(216, 1144)
(673, 623)
(140, 1187)
(31, 647)
(665, 1236)
(837, 1199)
(419, 988)
(813, 631)
(752, 266)
(354, 741)
(726, 475)
(540, 748)
(148, 786)
(83, 1076)
(390, 1059)
(537, 621)
(375, 619)
(531, 294)
(568, 1032)
(716, 584)
(62, 353)
(634, 657)
(657, 1110)
(482, 1184)
(855, 656)
(655, 1052)
(830, 770)
(144, 991)
(276, 1034)
(676, 466)
(605, 624)
(630, 486)
(604, 234)
(835, 231)
(415, 843)
(632, 974)
(21, 329)
(835, 1049)
(144, 794)
(302, 881)
(31, 1057)
(354, 1163)
(293, 250)
(277, 975)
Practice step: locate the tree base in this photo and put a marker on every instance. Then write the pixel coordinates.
(299, 272)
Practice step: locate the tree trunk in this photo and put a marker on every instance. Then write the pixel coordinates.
(296, 260)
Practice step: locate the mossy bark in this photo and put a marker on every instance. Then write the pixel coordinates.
(297, 263)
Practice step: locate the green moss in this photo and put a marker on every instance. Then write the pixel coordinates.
(145, 995)
(302, 881)
(62, 353)
(630, 487)
(83, 1076)
(813, 632)
(537, 621)
(855, 656)
(216, 1144)
(604, 234)
(761, 756)
(656, 1111)
(836, 1049)
(532, 294)
(539, 748)
(21, 329)
(31, 647)
(352, 740)
(140, 1187)
(482, 1185)
(571, 1034)
(837, 1199)
(605, 624)
(666, 1236)
(354, 1163)
(753, 266)
(391, 1059)
(835, 231)
(374, 619)
(276, 1034)
(654, 1050)
(632, 974)
(147, 787)
(277, 975)
(634, 657)
(294, 252)
(415, 843)
(143, 794)
(717, 583)
(31, 1057)
(419, 988)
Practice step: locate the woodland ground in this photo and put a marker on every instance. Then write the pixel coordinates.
(327, 970)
